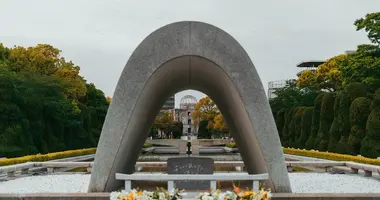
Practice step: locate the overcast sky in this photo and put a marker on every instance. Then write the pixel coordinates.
(100, 35)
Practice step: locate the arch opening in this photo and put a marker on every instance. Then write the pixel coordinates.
(144, 87)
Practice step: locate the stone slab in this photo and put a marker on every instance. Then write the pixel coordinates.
(191, 165)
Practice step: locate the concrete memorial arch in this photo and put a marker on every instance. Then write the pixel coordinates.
(179, 56)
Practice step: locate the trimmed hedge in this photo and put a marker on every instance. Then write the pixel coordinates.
(280, 121)
(326, 119)
(315, 122)
(334, 129)
(47, 157)
(359, 111)
(286, 131)
(332, 156)
(352, 91)
(325, 155)
(52, 156)
(370, 145)
(297, 124)
(305, 126)
(231, 145)
(341, 126)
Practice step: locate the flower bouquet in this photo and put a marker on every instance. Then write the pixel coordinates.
(136, 194)
(237, 194)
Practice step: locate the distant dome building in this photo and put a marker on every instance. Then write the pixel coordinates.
(184, 112)
(188, 101)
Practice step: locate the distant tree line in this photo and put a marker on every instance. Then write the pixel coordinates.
(337, 107)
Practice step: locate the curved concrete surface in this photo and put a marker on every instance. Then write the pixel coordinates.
(179, 56)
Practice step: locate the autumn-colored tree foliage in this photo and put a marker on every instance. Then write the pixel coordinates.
(45, 105)
(327, 76)
(219, 123)
(205, 109)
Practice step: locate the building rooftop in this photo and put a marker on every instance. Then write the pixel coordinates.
(310, 63)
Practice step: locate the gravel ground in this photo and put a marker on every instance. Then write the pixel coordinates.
(301, 183)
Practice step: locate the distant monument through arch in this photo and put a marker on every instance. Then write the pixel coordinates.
(179, 56)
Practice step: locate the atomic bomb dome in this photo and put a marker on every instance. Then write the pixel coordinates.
(188, 101)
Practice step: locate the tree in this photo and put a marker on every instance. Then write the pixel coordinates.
(292, 96)
(176, 129)
(363, 66)
(305, 126)
(340, 125)
(164, 121)
(350, 93)
(297, 124)
(370, 24)
(220, 124)
(286, 130)
(359, 111)
(46, 106)
(370, 145)
(109, 99)
(325, 121)
(203, 131)
(326, 77)
(205, 109)
(315, 122)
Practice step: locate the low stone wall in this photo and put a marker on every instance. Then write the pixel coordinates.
(105, 196)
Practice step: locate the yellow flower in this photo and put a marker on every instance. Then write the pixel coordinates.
(264, 196)
(247, 193)
(130, 196)
(139, 193)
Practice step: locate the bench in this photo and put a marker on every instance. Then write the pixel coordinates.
(128, 178)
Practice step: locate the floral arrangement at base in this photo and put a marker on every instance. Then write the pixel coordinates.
(136, 194)
(162, 194)
(237, 194)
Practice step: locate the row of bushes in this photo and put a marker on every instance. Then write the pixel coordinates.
(331, 156)
(325, 155)
(53, 156)
(346, 122)
(47, 157)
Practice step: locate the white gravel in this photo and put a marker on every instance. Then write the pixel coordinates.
(301, 183)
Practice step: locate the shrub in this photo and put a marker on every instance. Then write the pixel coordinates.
(332, 156)
(315, 122)
(290, 137)
(297, 123)
(325, 121)
(280, 121)
(355, 90)
(46, 157)
(147, 145)
(53, 156)
(305, 126)
(231, 145)
(359, 111)
(286, 131)
(334, 129)
(339, 130)
(351, 92)
(370, 145)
